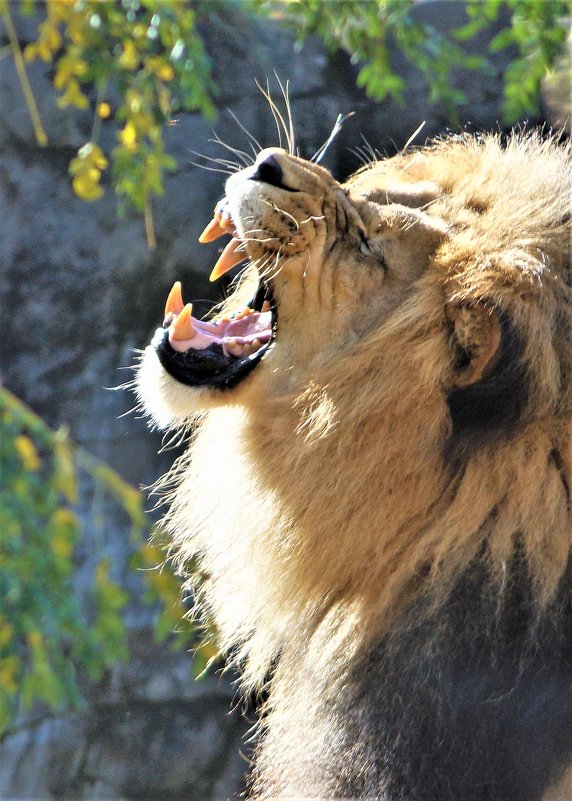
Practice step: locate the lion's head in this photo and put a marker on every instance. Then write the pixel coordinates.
(386, 395)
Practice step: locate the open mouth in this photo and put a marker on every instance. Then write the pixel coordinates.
(221, 352)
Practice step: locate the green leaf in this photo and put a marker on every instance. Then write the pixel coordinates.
(503, 39)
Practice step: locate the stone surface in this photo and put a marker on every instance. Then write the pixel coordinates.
(79, 290)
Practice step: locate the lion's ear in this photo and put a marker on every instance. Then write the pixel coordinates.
(487, 386)
(475, 341)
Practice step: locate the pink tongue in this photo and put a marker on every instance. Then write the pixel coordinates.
(249, 326)
(256, 325)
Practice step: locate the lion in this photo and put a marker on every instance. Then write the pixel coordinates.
(378, 486)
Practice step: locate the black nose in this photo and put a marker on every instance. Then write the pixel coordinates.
(269, 171)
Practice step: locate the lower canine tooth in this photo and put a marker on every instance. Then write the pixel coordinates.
(182, 328)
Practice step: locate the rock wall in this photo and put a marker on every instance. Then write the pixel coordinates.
(79, 290)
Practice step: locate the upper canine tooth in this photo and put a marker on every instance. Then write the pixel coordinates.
(213, 230)
(230, 256)
(182, 328)
(174, 304)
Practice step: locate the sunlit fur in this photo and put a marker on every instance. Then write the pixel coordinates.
(330, 490)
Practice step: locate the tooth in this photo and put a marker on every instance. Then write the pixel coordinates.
(226, 221)
(234, 347)
(256, 343)
(182, 328)
(220, 224)
(230, 256)
(266, 306)
(174, 304)
(212, 231)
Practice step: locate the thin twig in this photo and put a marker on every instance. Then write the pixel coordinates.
(149, 225)
(41, 136)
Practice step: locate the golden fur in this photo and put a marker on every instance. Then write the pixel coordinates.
(330, 489)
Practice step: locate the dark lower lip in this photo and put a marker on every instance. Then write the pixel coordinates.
(210, 367)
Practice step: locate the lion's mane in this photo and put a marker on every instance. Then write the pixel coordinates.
(347, 505)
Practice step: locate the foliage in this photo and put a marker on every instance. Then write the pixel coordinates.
(143, 60)
(537, 33)
(52, 638)
(139, 62)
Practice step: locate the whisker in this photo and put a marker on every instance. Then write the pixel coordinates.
(374, 155)
(363, 156)
(242, 154)
(286, 214)
(290, 133)
(225, 165)
(218, 159)
(321, 151)
(260, 240)
(212, 169)
(134, 409)
(215, 159)
(253, 140)
(278, 116)
(266, 95)
(413, 136)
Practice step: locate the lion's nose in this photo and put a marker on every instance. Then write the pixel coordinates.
(269, 171)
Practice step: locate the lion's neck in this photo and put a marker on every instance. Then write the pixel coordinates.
(302, 509)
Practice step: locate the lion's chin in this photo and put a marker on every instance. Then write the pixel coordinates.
(167, 401)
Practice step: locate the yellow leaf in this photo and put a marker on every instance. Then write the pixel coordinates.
(75, 31)
(73, 96)
(85, 188)
(27, 453)
(35, 640)
(103, 110)
(129, 58)
(166, 73)
(161, 68)
(64, 517)
(52, 38)
(8, 669)
(134, 101)
(61, 545)
(44, 52)
(64, 473)
(60, 79)
(31, 52)
(97, 157)
(128, 137)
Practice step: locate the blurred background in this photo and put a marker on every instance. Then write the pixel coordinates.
(119, 121)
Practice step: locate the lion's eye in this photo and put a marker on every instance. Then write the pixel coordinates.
(364, 245)
(367, 250)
